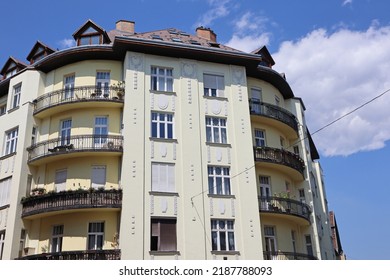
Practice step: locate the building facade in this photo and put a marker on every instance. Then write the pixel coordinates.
(156, 145)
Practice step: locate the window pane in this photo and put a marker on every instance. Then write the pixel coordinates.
(222, 241)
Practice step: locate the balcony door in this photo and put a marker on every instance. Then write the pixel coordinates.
(68, 87)
(102, 84)
(66, 126)
(270, 243)
(60, 180)
(100, 131)
(265, 192)
(256, 98)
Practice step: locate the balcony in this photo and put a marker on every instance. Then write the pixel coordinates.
(70, 200)
(285, 206)
(74, 144)
(280, 255)
(276, 116)
(289, 162)
(76, 97)
(114, 254)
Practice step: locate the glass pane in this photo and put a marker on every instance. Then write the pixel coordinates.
(216, 135)
(208, 134)
(154, 129)
(211, 185)
(222, 241)
(99, 244)
(214, 239)
(91, 242)
(170, 131)
(162, 130)
(219, 185)
(223, 135)
(227, 185)
(231, 241)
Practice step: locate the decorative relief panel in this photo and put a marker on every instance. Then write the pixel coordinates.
(163, 149)
(164, 205)
(190, 121)
(152, 100)
(216, 107)
(134, 170)
(189, 91)
(135, 116)
(222, 207)
(151, 204)
(233, 207)
(152, 149)
(211, 207)
(218, 155)
(136, 62)
(163, 102)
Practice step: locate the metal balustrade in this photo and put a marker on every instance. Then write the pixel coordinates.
(284, 206)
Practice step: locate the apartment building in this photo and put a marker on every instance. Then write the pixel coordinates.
(156, 145)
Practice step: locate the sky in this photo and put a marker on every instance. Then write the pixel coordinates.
(335, 55)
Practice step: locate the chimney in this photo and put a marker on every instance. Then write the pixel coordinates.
(125, 26)
(206, 33)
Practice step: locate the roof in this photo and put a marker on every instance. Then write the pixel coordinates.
(89, 23)
(35, 48)
(19, 64)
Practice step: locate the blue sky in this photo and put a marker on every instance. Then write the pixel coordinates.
(335, 55)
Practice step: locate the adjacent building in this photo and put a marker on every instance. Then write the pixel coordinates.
(156, 145)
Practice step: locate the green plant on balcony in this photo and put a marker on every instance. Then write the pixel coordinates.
(119, 87)
(38, 191)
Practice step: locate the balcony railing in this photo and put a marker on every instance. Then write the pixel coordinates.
(279, 156)
(75, 143)
(284, 206)
(67, 200)
(280, 255)
(78, 94)
(114, 254)
(275, 112)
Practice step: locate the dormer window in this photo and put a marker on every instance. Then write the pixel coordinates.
(11, 67)
(38, 52)
(11, 70)
(91, 34)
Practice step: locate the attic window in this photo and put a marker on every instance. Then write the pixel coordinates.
(178, 40)
(215, 45)
(184, 34)
(156, 37)
(173, 31)
(194, 42)
(90, 37)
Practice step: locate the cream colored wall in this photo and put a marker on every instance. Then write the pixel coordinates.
(278, 182)
(268, 91)
(272, 136)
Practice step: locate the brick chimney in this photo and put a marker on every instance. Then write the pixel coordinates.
(206, 33)
(125, 26)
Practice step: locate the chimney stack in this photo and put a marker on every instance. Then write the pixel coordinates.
(206, 33)
(125, 26)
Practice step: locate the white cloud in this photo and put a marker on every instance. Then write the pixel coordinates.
(248, 43)
(334, 74)
(346, 2)
(67, 43)
(219, 9)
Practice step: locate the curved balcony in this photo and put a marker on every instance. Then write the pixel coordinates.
(280, 255)
(73, 145)
(114, 254)
(76, 97)
(283, 159)
(275, 114)
(70, 200)
(285, 206)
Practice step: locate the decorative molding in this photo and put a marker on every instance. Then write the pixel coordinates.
(163, 150)
(151, 149)
(218, 154)
(152, 204)
(164, 205)
(163, 102)
(208, 154)
(188, 69)
(175, 205)
(190, 120)
(192, 172)
(222, 207)
(233, 206)
(152, 100)
(239, 93)
(242, 126)
(229, 155)
(174, 150)
(238, 75)
(135, 116)
(211, 207)
(216, 107)
(206, 109)
(225, 103)
(134, 170)
(189, 91)
(136, 61)
(173, 103)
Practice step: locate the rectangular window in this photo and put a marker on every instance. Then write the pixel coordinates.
(216, 130)
(3, 109)
(162, 79)
(213, 85)
(296, 150)
(277, 101)
(163, 177)
(309, 246)
(2, 240)
(256, 98)
(66, 126)
(302, 197)
(16, 96)
(34, 135)
(98, 176)
(222, 235)
(56, 238)
(294, 245)
(270, 242)
(162, 125)
(60, 180)
(68, 87)
(163, 235)
(219, 180)
(102, 83)
(100, 131)
(95, 236)
(282, 142)
(11, 141)
(5, 190)
(259, 138)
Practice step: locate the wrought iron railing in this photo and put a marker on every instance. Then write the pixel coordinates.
(279, 156)
(275, 112)
(75, 143)
(280, 255)
(284, 206)
(66, 200)
(114, 254)
(78, 94)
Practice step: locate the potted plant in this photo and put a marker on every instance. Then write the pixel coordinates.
(119, 87)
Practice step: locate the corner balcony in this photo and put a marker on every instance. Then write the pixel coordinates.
(293, 210)
(78, 97)
(275, 116)
(114, 254)
(283, 160)
(63, 148)
(46, 204)
(281, 255)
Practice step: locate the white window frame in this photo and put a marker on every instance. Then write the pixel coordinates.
(98, 176)
(56, 238)
(100, 130)
(103, 79)
(219, 180)
(16, 92)
(5, 190)
(161, 79)
(270, 241)
(216, 130)
(69, 81)
(95, 231)
(3, 109)
(260, 138)
(163, 177)
(11, 141)
(2, 242)
(163, 233)
(162, 125)
(34, 132)
(60, 180)
(213, 85)
(221, 231)
(309, 245)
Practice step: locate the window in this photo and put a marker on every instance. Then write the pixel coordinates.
(34, 135)
(68, 87)
(256, 97)
(3, 109)
(95, 236)
(5, 189)
(163, 177)
(16, 96)
(102, 84)
(282, 142)
(222, 235)
(60, 180)
(302, 197)
(270, 242)
(162, 125)
(2, 238)
(11, 141)
(216, 130)
(309, 246)
(66, 126)
(296, 150)
(293, 241)
(259, 138)
(163, 235)
(219, 180)
(213, 85)
(90, 36)
(162, 79)
(56, 239)
(98, 176)
(100, 131)
(277, 101)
